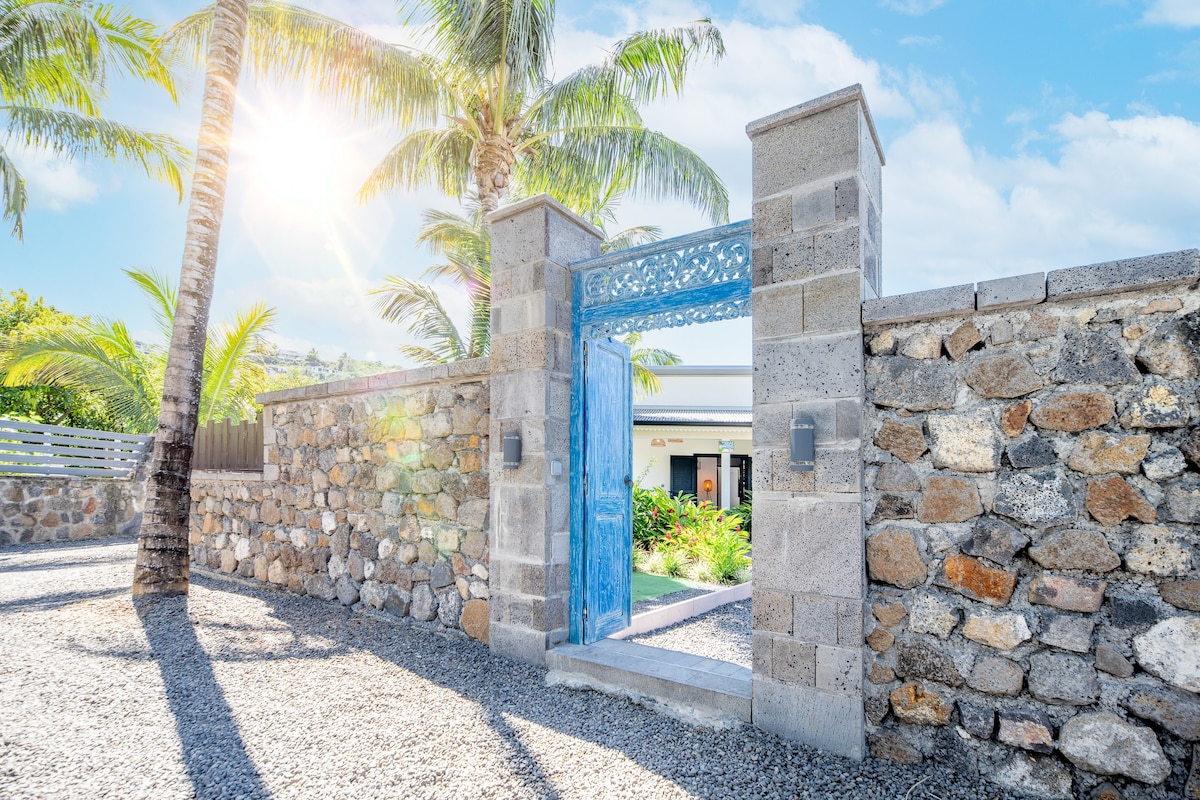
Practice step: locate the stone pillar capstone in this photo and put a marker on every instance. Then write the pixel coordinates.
(532, 243)
(816, 217)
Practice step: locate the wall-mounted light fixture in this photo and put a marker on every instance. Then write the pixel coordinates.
(803, 455)
(658, 442)
(512, 449)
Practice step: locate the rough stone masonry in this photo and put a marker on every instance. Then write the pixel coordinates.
(373, 491)
(1033, 514)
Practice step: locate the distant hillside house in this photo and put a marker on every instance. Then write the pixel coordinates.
(694, 435)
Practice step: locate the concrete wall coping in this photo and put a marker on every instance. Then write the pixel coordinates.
(824, 103)
(1109, 277)
(504, 212)
(435, 373)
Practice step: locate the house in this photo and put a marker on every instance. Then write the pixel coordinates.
(694, 436)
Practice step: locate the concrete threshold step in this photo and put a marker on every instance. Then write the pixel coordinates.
(697, 690)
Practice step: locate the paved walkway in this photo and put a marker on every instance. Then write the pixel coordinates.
(248, 692)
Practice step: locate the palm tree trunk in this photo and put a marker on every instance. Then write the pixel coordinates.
(493, 171)
(162, 558)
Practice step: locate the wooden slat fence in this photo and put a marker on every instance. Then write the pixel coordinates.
(28, 448)
(225, 445)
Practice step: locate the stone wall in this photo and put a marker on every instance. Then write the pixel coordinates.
(1033, 500)
(56, 509)
(374, 491)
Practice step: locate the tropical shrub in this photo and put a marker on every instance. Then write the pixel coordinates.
(656, 514)
(678, 533)
(745, 510)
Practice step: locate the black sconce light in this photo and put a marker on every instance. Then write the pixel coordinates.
(512, 449)
(803, 444)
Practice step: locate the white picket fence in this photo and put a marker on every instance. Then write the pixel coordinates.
(27, 448)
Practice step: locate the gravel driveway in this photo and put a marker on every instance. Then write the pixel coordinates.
(248, 692)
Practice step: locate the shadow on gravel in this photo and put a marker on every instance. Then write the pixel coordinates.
(213, 750)
(5, 566)
(48, 602)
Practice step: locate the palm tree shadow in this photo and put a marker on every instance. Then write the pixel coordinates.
(214, 753)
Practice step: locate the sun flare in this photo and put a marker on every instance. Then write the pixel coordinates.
(291, 156)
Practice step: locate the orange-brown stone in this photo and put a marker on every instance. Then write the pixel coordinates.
(965, 337)
(880, 674)
(912, 703)
(889, 615)
(474, 619)
(892, 557)
(903, 440)
(949, 499)
(1073, 411)
(880, 640)
(1014, 418)
(1112, 500)
(974, 579)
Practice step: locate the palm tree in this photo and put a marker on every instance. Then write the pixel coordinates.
(99, 356)
(503, 125)
(55, 58)
(280, 41)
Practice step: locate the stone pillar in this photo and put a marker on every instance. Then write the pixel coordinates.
(532, 243)
(816, 185)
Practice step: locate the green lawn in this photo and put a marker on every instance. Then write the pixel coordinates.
(647, 586)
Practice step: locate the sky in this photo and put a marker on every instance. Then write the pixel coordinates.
(1020, 136)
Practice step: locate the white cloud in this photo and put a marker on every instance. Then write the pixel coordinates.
(920, 41)
(52, 182)
(912, 7)
(955, 215)
(1177, 13)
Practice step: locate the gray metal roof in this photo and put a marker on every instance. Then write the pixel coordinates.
(733, 417)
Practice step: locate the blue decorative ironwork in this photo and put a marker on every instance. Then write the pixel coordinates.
(693, 314)
(719, 255)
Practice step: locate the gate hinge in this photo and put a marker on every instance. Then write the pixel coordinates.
(585, 612)
(585, 484)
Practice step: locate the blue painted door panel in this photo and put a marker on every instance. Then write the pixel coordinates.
(608, 493)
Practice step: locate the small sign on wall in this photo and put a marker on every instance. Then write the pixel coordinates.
(724, 447)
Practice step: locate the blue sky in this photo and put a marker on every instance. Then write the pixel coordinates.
(1020, 136)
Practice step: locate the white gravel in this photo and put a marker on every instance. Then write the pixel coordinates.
(246, 693)
(723, 634)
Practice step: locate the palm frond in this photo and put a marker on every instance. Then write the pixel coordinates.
(14, 195)
(631, 237)
(656, 167)
(352, 69)
(233, 368)
(402, 301)
(68, 133)
(162, 296)
(651, 64)
(438, 156)
(88, 356)
(513, 38)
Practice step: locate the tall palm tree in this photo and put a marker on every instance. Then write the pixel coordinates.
(502, 124)
(162, 555)
(276, 40)
(55, 58)
(99, 356)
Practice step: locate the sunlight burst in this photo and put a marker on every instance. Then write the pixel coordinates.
(291, 156)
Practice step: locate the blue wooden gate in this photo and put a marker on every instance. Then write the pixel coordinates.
(607, 487)
(701, 277)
